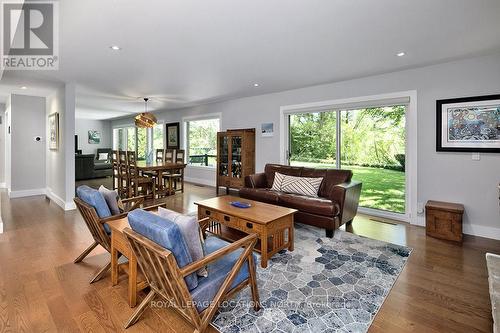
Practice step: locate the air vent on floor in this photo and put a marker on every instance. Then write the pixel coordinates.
(381, 221)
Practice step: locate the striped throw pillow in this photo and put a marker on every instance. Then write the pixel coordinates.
(297, 185)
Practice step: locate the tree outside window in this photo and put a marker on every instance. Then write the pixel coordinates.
(202, 141)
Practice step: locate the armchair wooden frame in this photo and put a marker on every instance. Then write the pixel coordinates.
(166, 279)
(95, 225)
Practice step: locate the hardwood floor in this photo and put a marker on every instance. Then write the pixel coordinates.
(443, 287)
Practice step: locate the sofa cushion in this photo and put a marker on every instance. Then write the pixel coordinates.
(319, 206)
(95, 199)
(167, 234)
(190, 229)
(102, 165)
(331, 177)
(217, 273)
(260, 194)
(271, 169)
(298, 185)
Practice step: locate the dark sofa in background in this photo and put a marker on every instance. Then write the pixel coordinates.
(336, 204)
(87, 166)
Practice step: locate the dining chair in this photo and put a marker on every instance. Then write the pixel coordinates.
(160, 153)
(162, 254)
(136, 180)
(123, 182)
(177, 174)
(116, 169)
(169, 156)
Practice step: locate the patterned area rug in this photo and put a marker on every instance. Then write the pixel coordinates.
(325, 285)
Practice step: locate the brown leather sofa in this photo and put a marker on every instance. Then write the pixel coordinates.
(337, 201)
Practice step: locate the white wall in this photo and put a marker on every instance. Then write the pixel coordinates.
(7, 143)
(82, 126)
(441, 176)
(27, 122)
(61, 163)
(2, 145)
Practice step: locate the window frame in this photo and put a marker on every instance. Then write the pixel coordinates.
(185, 136)
(408, 98)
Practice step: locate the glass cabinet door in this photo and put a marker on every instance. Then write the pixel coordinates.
(236, 156)
(224, 156)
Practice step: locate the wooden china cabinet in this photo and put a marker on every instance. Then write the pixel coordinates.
(235, 157)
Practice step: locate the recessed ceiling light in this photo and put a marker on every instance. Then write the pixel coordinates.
(255, 84)
(115, 48)
(401, 54)
(24, 87)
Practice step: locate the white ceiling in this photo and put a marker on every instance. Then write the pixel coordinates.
(188, 52)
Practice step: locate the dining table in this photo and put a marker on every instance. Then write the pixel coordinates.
(160, 168)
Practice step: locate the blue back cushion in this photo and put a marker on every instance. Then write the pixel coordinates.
(95, 199)
(165, 233)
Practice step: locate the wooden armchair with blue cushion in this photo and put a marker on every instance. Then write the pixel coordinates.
(96, 213)
(164, 258)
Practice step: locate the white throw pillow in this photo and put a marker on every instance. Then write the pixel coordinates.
(297, 185)
(190, 230)
(103, 157)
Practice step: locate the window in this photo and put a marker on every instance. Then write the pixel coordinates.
(201, 145)
(158, 137)
(119, 139)
(132, 139)
(369, 141)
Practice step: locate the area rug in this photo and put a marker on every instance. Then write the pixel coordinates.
(325, 285)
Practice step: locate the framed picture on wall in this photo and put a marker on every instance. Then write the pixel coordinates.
(173, 136)
(469, 124)
(94, 137)
(54, 131)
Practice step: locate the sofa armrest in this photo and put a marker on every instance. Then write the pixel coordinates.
(346, 195)
(257, 180)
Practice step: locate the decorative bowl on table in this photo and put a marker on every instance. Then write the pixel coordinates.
(240, 204)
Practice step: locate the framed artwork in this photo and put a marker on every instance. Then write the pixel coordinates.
(469, 124)
(172, 135)
(94, 137)
(267, 129)
(54, 131)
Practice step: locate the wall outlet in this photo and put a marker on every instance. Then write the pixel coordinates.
(420, 207)
(476, 156)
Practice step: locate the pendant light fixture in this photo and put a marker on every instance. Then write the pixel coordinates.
(145, 119)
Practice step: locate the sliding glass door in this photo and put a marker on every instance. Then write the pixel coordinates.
(369, 141)
(138, 139)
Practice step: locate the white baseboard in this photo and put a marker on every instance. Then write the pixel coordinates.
(3, 185)
(58, 201)
(207, 182)
(481, 231)
(26, 193)
(471, 229)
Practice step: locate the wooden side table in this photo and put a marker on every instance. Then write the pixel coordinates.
(444, 220)
(120, 245)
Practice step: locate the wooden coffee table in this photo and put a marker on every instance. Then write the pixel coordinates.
(273, 224)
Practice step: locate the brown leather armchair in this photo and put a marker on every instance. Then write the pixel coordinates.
(336, 204)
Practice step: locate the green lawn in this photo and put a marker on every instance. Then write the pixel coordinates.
(382, 189)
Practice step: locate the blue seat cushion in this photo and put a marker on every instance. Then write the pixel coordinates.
(165, 233)
(95, 199)
(217, 273)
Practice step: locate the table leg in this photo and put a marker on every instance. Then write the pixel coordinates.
(132, 282)
(114, 263)
(290, 235)
(263, 250)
